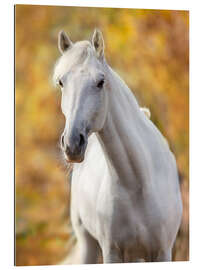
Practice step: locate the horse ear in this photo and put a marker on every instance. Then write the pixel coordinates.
(64, 43)
(98, 43)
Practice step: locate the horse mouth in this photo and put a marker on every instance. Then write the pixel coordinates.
(74, 158)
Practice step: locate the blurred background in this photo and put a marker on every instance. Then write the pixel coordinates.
(150, 51)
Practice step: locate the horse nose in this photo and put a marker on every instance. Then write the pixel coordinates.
(76, 144)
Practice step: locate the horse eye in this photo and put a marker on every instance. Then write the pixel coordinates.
(60, 83)
(100, 83)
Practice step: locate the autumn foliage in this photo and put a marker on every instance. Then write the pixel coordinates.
(149, 49)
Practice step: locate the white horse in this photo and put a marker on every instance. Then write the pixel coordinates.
(125, 195)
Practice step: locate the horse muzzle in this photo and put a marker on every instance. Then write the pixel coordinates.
(74, 150)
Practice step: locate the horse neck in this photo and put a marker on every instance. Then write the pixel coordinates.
(121, 146)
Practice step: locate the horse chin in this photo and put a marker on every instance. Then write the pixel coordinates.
(74, 159)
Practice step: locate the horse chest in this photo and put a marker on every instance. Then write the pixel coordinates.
(120, 220)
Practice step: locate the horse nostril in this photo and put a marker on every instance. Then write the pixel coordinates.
(62, 141)
(82, 140)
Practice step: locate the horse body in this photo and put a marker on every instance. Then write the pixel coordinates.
(125, 195)
(126, 190)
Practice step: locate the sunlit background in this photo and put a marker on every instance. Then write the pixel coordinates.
(149, 49)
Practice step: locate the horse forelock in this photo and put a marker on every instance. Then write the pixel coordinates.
(73, 57)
